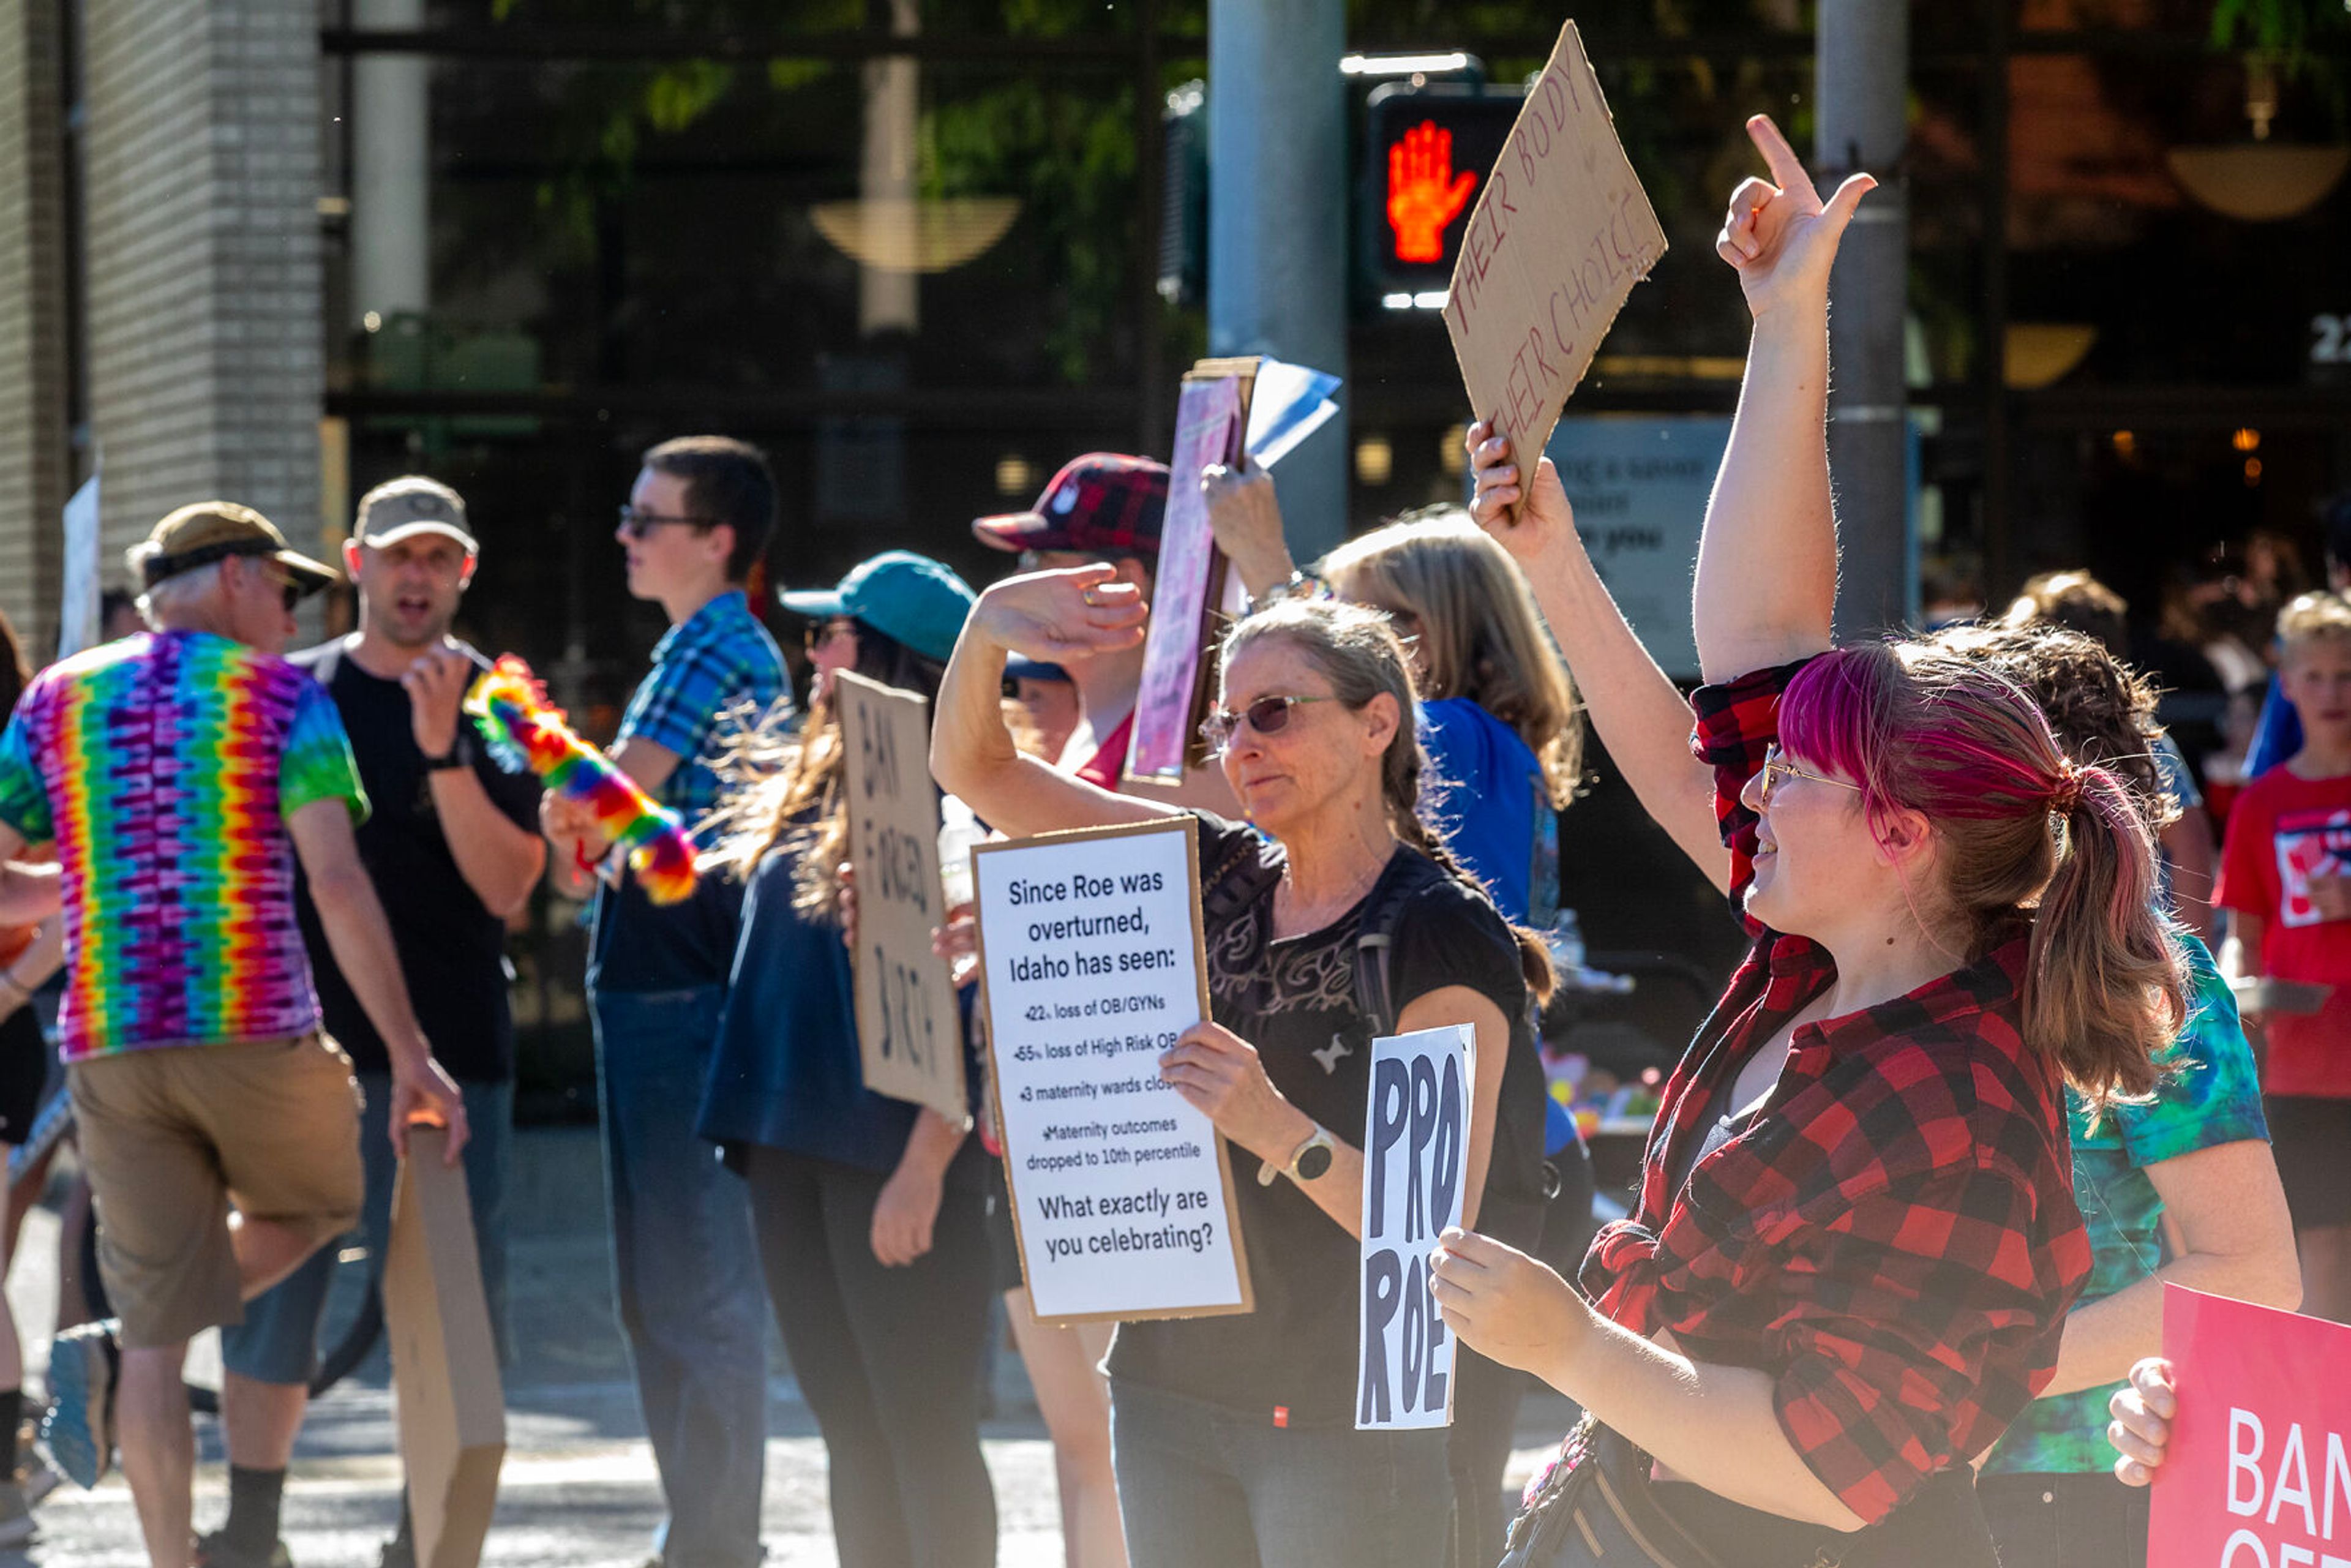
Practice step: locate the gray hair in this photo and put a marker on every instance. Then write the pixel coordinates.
(179, 590)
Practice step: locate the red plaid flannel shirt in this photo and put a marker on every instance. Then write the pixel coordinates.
(1894, 1239)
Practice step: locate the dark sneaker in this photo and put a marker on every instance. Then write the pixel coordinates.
(78, 1429)
(15, 1516)
(213, 1550)
(400, 1551)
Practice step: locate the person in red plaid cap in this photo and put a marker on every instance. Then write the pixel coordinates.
(1102, 507)
(1856, 1239)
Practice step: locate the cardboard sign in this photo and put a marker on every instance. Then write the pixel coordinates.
(1091, 950)
(1560, 235)
(445, 1361)
(2258, 1473)
(1416, 1169)
(1211, 417)
(909, 1032)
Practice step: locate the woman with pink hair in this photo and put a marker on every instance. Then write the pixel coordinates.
(1856, 1239)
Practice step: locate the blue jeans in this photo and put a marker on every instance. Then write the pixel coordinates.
(1198, 1484)
(685, 1273)
(278, 1340)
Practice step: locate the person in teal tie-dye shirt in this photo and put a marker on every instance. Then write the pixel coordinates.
(2180, 1189)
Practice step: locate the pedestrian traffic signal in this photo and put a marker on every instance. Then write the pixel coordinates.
(1426, 153)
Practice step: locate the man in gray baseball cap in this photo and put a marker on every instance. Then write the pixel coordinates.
(453, 848)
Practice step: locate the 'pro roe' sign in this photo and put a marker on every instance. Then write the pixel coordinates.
(1415, 1165)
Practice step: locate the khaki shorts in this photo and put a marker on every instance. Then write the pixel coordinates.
(170, 1138)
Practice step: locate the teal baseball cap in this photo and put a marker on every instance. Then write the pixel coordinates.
(900, 594)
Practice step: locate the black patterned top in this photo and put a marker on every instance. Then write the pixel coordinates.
(1292, 1361)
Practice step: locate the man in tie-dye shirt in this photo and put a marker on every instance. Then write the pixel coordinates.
(183, 774)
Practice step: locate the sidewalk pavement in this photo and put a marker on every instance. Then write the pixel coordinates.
(578, 1488)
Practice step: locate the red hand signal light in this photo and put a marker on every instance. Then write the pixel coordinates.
(1424, 193)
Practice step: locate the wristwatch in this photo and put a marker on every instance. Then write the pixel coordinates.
(1308, 1161)
(455, 757)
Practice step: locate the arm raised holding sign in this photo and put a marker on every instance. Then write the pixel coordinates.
(1789, 1263)
(1639, 715)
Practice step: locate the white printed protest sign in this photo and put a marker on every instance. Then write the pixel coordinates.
(1416, 1166)
(909, 1030)
(1092, 963)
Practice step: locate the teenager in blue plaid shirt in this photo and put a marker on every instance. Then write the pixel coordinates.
(688, 1279)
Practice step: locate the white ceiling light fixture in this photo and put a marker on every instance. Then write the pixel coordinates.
(2259, 181)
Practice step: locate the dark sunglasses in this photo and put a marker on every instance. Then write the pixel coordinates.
(637, 523)
(1266, 715)
(818, 633)
(289, 591)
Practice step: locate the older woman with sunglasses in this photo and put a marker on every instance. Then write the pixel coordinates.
(1233, 1438)
(1856, 1239)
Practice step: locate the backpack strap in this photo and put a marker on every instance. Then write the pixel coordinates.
(1375, 954)
(1237, 880)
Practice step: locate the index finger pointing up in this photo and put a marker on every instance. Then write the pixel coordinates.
(1787, 169)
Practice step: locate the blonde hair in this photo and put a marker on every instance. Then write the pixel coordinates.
(1357, 650)
(1481, 636)
(2314, 616)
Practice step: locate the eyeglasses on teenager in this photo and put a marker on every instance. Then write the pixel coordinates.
(637, 523)
(1776, 765)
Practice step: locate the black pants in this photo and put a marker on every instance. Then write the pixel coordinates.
(888, 1358)
(2089, 1521)
(1478, 1450)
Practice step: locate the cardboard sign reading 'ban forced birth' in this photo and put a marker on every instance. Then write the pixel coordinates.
(1415, 1168)
(909, 1034)
(1559, 237)
(445, 1360)
(2258, 1470)
(1122, 1192)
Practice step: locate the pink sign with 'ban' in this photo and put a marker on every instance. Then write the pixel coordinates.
(2258, 1472)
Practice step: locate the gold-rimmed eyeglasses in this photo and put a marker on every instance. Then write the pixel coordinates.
(1776, 765)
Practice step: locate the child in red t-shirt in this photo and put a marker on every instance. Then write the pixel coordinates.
(2285, 875)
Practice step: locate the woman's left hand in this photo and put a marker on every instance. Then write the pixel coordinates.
(1505, 1305)
(1219, 1074)
(904, 1213)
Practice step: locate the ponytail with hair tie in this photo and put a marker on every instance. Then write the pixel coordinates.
(2065, 796)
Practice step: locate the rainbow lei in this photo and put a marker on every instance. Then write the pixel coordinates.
(522, 727)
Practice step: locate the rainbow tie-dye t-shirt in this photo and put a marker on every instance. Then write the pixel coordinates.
(165, 767)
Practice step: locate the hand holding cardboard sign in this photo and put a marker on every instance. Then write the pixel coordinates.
(2142, 1413)
(1778, 234)
(427, 1096)
(1506, 1306)
(1538, 530)
(1245, 516)
(1053, 615)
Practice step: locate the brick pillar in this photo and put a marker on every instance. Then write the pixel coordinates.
(33, 450)
(206, 341)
